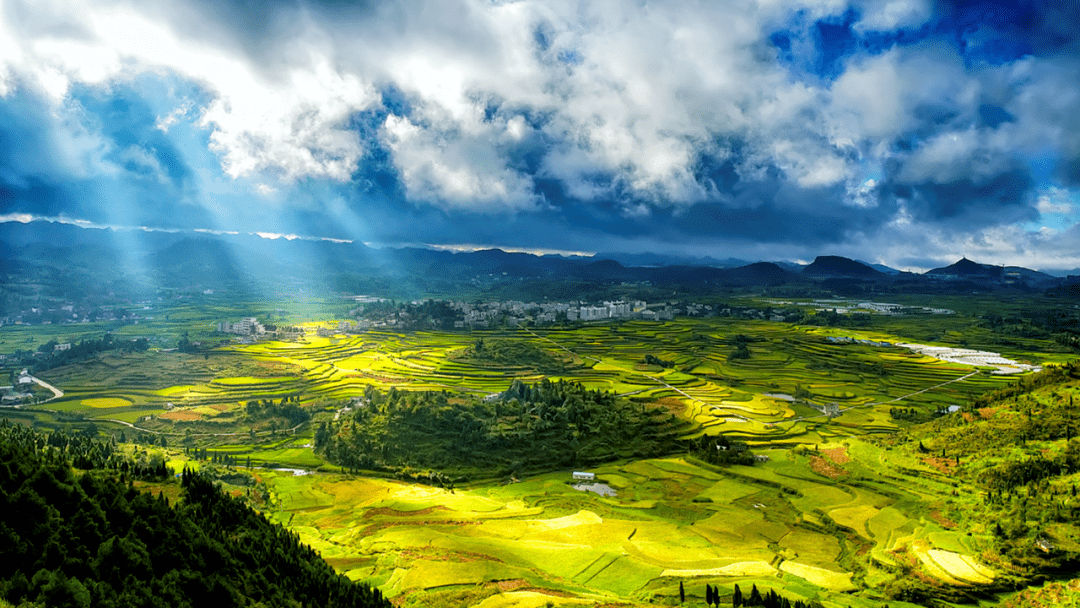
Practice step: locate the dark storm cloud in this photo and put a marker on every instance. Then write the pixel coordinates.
(563, 124)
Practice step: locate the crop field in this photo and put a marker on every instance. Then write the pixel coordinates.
(828, 515)
(750, 398)
(773, 525)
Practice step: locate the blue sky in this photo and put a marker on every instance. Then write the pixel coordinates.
(894, 131)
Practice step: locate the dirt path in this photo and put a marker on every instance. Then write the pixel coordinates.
(170, 433)
(57, 393)
(901, 398)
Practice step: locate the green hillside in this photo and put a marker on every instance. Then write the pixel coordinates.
(86, 538)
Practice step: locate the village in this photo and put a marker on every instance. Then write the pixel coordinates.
(460, 315)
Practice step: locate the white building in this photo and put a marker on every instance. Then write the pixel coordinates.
(582, 476)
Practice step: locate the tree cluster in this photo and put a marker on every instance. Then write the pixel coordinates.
(92, 540)
(84, 349)
(529, 427)
(512, 353)
(768, 600)
(651, 359)
(288, 408)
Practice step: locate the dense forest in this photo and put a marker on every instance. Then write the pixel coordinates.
(88, 538)
(528, 428)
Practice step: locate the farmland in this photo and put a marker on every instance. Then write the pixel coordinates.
(750, 398)
(776, 525)
(844, 509)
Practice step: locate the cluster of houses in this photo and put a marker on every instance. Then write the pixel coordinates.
(514, 313)
(473, 315)
(18, 392)
(851, 306)
(480, 315)
(246, 327)
(78, 313)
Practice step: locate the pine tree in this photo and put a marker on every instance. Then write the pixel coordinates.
(755, 596)
(682, 593)
(708, 594)
(736, 597)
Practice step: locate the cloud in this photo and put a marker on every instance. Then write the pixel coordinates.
(888, 15)
(440, 164)
(292, 123)
(722, 122)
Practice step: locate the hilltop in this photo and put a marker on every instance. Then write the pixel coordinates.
(836, 266)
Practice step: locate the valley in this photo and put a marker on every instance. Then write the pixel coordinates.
(784, 457)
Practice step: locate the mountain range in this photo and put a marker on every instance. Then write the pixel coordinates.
(38, 250)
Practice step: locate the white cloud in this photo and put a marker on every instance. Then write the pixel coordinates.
(631, 95)
(888, 15)
(1055, 200)
(881, 97)
(144, 161)
(292, 124)
(459, 170)
(265, 189)
(955, 156)
(862, 195)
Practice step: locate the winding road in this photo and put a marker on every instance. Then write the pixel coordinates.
(57, 393)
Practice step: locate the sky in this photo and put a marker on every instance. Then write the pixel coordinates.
(902, 132)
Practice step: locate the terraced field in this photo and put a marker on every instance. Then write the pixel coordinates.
(828, 517)
(747, 397)
(750, 398)
(777, 525)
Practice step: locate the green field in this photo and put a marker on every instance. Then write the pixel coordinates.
(833, 512)
(673, 519)
(734, 397)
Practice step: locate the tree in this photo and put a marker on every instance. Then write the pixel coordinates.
(736, 597)
(682, 593)
(755, 596)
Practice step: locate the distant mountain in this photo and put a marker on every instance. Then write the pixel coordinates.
(833, 266)
(1062, 272)
(966, 269)
(103, 260)
(1030, 277)
(790, 266)
(882, 268)
(663, 259)
(766, 273)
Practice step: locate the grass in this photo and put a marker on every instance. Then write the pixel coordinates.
(779, 523)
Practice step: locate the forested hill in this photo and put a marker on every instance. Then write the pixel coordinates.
(86, 538)
(528, 428)
(1013, 456)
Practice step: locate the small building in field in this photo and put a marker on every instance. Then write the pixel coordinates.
(581, 476)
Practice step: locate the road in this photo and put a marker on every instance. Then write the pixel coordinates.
(242, 434)
(900, 398)
(57, 393)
